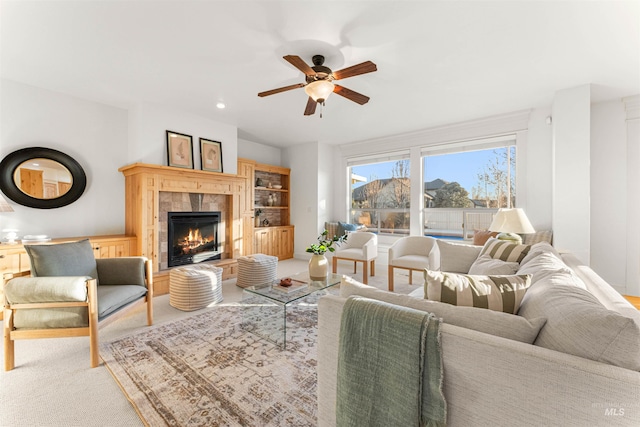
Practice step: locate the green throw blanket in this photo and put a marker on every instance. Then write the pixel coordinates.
(389, 366)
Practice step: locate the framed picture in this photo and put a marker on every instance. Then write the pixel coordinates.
(211, 155)
(179, 150)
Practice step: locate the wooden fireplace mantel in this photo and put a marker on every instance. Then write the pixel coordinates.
(144, 182)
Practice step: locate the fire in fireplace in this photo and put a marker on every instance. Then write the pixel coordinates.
(193, 237)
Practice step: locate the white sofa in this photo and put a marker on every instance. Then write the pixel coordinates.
(572, 369)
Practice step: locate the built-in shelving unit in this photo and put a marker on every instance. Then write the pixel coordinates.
(272, 229)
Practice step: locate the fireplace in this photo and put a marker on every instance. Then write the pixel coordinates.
(193, 237)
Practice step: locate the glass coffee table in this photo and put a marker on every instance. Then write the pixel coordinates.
(265, 307)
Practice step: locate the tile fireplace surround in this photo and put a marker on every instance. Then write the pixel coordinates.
(187, 202)
(151, 191)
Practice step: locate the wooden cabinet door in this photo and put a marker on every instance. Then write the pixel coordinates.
(262, 243)
(12, 261)
(113, 248)
(286, 243)
(246, 169)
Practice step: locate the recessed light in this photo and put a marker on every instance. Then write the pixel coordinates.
(220, 105)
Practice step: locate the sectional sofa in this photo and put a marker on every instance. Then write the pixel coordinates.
(570, 356)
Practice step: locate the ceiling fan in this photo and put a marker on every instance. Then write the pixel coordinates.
(319, 81)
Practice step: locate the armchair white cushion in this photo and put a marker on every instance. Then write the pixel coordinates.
(360, 246)
(413, 253)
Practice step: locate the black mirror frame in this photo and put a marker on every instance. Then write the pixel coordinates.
(11, 162)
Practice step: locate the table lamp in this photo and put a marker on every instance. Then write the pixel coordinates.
(510, 223)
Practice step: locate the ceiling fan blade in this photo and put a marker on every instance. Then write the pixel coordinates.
(351, 95)
(297, 62)
(355, 70)
(311, 107)
(281, 89)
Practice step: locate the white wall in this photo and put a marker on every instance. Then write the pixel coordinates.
(325, 184)
(608, 191)
(571, 208)
(259, 152)
(148, 142)
(632, 110)
(93, 134)
(303, 162)
(538, 183)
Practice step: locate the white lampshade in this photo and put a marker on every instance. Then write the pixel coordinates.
(511, 221)
(319, 90)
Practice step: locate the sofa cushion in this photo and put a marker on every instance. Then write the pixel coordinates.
(490, 322)
(63, 259)
(487, 265)
(578, 324)
(537, 237)
(112, 298)
(457, 257)
(25, 290)
(545, 266)
(499, 293)
(505, 250)
(537, 249)
(122, 271)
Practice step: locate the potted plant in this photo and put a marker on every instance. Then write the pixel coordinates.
(318, 265)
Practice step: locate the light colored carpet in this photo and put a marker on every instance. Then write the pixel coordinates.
(53, 385)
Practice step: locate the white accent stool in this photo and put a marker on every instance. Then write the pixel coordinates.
(256, 269)
(195, 286)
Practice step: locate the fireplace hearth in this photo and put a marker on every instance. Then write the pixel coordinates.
(193, 237)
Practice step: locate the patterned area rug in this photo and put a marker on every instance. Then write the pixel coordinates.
(208, 370)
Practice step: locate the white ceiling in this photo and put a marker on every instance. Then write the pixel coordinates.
(438, 62)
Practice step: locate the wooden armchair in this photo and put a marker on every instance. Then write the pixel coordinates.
(72, 294)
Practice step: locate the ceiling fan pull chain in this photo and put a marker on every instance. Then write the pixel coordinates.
(321, 108)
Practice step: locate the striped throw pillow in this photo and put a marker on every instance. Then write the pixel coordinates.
(505, 250)
(498, 293)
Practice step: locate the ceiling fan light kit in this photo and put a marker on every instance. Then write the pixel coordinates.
(319, 90)
(319, 81)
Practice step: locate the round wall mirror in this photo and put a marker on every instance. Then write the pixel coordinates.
(41, 178)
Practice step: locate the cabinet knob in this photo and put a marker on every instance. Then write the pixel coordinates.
(1, 256)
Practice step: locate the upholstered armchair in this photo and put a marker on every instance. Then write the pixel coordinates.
(413, 253)
(360, 246)
(71, 294)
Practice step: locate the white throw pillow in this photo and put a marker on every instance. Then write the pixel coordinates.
(538, 249)
(457, 257)
(546, 266)
(487, 265)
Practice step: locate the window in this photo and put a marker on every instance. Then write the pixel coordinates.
(465, 184)
(380, 196)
